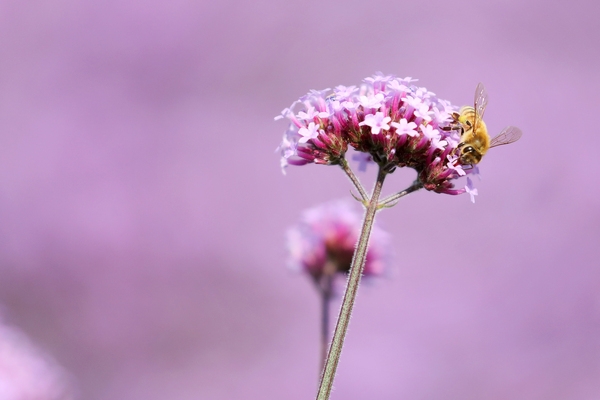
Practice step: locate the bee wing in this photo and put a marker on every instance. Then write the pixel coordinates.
(481, 100)
(508, 135)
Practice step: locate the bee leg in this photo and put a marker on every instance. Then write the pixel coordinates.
(455, 126)
(454, 151)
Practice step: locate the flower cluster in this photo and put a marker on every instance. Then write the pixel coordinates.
(394, 122)
(323, 242)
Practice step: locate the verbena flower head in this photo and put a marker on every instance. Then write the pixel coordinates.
(323, 242)
(393, 121)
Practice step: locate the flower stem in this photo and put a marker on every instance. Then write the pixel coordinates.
(354, 179)
(325, 287)
(326, 294)
(395, 197)
(356, 270)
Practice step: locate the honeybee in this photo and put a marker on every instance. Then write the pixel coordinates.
(475, 141)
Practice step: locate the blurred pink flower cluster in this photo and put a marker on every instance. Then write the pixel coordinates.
(393, 121)
(322, 243)
(26, 373)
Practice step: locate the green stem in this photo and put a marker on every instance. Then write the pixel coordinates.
(356, 270)
(354, 179)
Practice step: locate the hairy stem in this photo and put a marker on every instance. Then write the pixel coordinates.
(354, 179)
(356, 270)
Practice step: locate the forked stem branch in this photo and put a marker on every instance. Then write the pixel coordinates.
(355, 181)
(391, 200)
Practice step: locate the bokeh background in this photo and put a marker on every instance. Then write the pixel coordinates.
(143, 209)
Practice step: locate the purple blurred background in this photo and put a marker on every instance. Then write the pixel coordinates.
(143, 208)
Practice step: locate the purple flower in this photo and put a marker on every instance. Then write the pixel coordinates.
(371, 102)
(471, 189)
(323, 242)
(344, 92)
(405, 128)
(376, 122)
(363, 160)
(308, 115)
(393, 121)
(430, 132)
(310, 132)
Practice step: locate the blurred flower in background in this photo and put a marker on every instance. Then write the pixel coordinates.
(26, 373)
(322, 245)
(322, 242)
